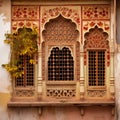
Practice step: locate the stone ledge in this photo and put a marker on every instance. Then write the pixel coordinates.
(63, 103)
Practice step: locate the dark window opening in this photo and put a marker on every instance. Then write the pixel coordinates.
(96, 64)
(27, 79)
(60, 65)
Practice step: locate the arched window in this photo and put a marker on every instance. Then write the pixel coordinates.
(96, 67)
(97, 48)
(27, 79)
(60, 65)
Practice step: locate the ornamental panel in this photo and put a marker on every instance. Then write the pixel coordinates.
(24, 93)
(96, 93)
(96, 38)
(69, 12)
(61, 91)
(60, 30)
(95, 12)
(20, 24)
(25, 12)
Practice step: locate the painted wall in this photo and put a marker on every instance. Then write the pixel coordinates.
(45, 113)
(5, 7)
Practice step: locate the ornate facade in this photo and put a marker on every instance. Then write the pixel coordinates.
(74, 64)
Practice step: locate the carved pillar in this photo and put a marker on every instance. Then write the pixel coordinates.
(82, 89)
(112, 47)
(40, 71)
(112, 76)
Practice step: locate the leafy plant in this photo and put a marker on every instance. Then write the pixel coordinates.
(23, 42)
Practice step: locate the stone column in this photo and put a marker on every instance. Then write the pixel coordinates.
(39, 85)
(82, 78)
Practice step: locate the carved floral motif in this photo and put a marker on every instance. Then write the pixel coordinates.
(105, 25)
(96, 38)
(20, 24)
(96, 12)
(25, 12)
(53, 12)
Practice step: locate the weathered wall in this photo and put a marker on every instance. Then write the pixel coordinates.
(5, 7)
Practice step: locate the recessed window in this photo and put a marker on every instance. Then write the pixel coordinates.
(60, 65)
(27, 79)
(96, 67)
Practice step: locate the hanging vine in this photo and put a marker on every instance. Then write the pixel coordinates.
(22, 43)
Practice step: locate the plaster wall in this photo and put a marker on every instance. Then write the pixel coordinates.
(5, 6)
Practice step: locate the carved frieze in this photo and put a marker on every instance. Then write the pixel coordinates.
(61, 93)
(61, 90)
(24, 93)
(96, 93)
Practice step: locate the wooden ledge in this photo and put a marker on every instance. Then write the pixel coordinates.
(61, 103)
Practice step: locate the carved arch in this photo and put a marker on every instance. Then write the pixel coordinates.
(67, 12)
(96, 38)
(60, 30)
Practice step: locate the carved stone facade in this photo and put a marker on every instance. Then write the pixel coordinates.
(76, 27)
(73, 27)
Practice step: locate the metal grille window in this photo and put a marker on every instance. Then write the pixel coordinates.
(60, 65)
(27, 79)
(96, 64)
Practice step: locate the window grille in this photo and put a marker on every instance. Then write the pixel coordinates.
(60, 65)
(96, 63)
(27, 79)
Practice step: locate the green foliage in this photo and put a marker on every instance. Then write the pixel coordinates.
(23, 42)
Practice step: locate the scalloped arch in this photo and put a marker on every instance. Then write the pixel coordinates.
(59, 30)
(66, 12)
(96, 38)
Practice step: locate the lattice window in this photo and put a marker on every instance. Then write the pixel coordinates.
(27, 79)
(60, 65)
(96, 67)
(96, 46)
